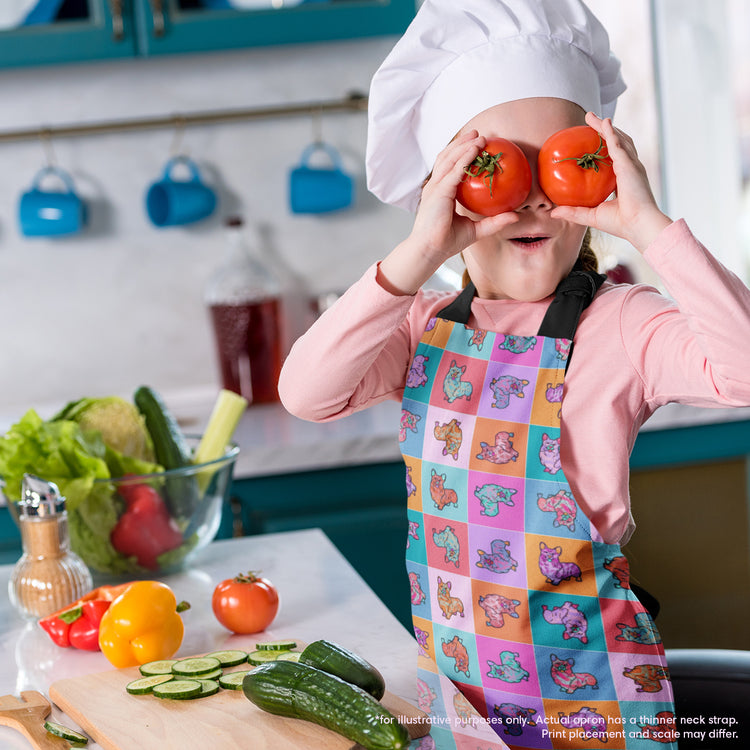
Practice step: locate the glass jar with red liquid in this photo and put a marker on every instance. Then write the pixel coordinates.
(244, 301)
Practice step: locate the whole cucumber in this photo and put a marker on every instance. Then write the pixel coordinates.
(182, 493)
(293, 689)
(336, 660)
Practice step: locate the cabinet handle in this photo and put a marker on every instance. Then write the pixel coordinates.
(118, 29)
(157, 16)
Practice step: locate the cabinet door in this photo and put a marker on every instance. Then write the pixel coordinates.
(70, 31)
(169, 26)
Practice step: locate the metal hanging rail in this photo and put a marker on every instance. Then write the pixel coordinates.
(354, 102)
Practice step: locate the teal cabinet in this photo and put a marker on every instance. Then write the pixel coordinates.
(10, 538)
(362, 510)
(204, 25)
(87, 30)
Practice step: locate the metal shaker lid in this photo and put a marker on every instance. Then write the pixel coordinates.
(39, 497)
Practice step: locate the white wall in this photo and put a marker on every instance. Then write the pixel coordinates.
(122, 305)
(701, 140)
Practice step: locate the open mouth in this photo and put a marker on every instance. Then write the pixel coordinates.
(530, 241)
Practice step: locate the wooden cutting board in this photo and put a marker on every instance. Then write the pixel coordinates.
(116, 720)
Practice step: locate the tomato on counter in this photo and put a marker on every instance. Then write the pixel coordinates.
(246, 603)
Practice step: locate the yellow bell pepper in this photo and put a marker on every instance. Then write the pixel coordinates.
(142, 624)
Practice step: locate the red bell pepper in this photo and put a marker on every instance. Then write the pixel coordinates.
(146, 529)
(77, 624)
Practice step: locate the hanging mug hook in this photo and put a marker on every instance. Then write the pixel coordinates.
(317, 124)
(176, 148)
(45, 136)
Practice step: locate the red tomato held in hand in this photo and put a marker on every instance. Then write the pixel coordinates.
(245, 604)
(575, 168)
(498, 180)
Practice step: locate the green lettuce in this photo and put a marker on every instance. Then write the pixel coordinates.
(122, 426)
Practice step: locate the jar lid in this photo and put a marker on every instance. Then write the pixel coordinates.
(39, 497)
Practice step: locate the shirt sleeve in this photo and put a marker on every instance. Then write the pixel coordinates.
(692, 348)
(355, 355)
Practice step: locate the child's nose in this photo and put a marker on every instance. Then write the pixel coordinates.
(536, 199)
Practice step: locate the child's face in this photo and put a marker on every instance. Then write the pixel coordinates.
(504, 266)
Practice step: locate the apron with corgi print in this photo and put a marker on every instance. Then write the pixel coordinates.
(515, 596)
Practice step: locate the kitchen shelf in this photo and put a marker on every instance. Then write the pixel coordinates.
(354, 102)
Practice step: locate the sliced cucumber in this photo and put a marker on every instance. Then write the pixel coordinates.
(145, 685)
(263, 657)
(196, 666)
(178, 689)
(286, 645)
(214, 674)
(289, 656)
(67, 734)
(208, 687)
(233, 680)
(163, 666)
(229, 658)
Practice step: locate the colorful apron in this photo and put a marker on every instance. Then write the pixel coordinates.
(515, 596)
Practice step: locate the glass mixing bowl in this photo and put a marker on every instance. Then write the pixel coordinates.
(142, 526)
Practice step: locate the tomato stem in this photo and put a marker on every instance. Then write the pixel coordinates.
(589, 161)
(249, 577)
(485, 165)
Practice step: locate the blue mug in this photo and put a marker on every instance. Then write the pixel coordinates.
(315, 190)
(171, 202)
(51, 213)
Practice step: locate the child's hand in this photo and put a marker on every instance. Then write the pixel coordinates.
(437, 223)
(439, 232)
(632, 214)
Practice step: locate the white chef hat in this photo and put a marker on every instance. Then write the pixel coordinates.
(460, 57)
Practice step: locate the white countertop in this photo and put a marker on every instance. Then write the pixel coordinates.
(272, 441)
(321, 597)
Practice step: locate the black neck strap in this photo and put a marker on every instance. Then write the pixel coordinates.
(572, 296)
(459, 311)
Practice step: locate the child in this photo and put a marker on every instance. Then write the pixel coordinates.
(518, 497)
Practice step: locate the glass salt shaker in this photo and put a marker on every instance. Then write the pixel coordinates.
(49, 575)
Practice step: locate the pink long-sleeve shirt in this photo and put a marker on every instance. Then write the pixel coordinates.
(635, 350)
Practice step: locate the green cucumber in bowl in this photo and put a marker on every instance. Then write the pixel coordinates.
(172, 451)
(287, 688)
(338, 661)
